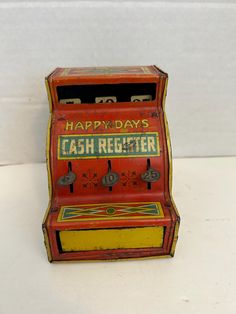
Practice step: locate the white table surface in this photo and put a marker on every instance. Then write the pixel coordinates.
(199, 279)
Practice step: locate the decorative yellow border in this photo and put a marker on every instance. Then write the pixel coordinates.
(117, 260)
(49, 94)
(146, 70)
(168, 147)
(48, 167)
(175, 238)
(47, 245)
(142, 70)
(102, 157)
(161, 215)
(65, 72)
(46, 239)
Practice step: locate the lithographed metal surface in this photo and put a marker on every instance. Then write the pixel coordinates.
(109, 165)
(111, 211)
(105, 71)
(113, 145)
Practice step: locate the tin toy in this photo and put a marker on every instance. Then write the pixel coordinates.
(109, 165)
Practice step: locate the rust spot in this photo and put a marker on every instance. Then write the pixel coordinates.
(129, 146)
(54, 209)
(61, 118)
(154, 114)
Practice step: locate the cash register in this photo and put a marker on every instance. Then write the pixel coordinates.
(109, 165)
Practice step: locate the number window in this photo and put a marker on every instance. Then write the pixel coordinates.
(107, 93)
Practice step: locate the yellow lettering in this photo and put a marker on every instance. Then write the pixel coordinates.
(106, 124)
(88, 124)
(69, 125)
(136, 123)
(128, 124)
(97, 124)
(79, 125)
(145, 123)
(118, 124)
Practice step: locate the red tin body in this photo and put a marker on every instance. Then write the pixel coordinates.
(132, 219)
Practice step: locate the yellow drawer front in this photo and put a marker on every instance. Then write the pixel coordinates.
(107, 239)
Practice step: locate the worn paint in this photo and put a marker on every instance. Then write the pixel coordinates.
(108, 239)
(108, 211)
(113, 145)
(92, 141)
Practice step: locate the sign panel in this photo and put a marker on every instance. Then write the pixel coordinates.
(114, 145)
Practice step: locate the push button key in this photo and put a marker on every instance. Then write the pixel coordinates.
(151, 175)
(111, 178)
(67, 179)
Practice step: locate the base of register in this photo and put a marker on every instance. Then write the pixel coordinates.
(111, 231)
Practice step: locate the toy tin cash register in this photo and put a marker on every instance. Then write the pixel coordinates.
(109, 165)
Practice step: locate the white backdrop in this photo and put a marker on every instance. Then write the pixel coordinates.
(193, 41)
